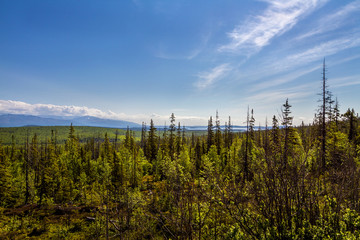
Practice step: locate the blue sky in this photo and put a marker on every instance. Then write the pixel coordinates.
(140, 59)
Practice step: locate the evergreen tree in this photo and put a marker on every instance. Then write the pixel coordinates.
(117, 177)
(116, 140)
(249, 138)
(47, 172)
(324, 113)
(5, 179)
(210, 134)
(287, 123)
(178, 140)
(128, 138)
(107, 149)
(351, 119)
(336, 113)
(251, 125)
(143, 138)
(34, 158)
(228, 137)
(72, 152)
(152, 143)
(218, 137)
(27, 165)
(275, 141)
(198, 155)
(183, 137)
(172, 129)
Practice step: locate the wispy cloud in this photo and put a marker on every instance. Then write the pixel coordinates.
(333, 21)
(274, 96)
(313, 54)
(283, 79)
(166, 52)
(207, 79)
(344, 81)
(279, 17)
(326, 49)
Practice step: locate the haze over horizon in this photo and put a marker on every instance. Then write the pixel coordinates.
(137, 60)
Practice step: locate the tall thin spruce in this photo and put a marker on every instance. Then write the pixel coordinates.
(246, 146)
(323, 126)
(287, 122)
(323, 118)
(27, 157)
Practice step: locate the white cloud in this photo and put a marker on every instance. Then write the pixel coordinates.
(206, 79)
(18, 107)
(278, 18)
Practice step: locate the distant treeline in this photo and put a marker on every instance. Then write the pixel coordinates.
(20, 134)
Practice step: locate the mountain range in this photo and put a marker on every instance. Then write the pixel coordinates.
(19, 120)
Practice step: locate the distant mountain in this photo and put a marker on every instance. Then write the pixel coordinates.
(18, 120)
(99, 122)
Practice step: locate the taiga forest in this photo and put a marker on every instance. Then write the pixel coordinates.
(277, 182)
(180, 120)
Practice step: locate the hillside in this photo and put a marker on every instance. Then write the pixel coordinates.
(19, 120)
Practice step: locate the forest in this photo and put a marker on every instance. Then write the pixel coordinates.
(18, 135)
(284, 182)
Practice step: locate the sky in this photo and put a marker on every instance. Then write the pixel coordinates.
(138, 60)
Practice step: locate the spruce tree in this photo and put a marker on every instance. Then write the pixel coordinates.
(34, 158)
(27, 165)
(336, 113)
(218, 138)
(172, 129)
(324, 113)
(351, 119)
(249, 138)
(143, 137)
(252, 125)
(287, 123)
(152, 143)
(210, 134)
(178, 140)
(5, 178)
